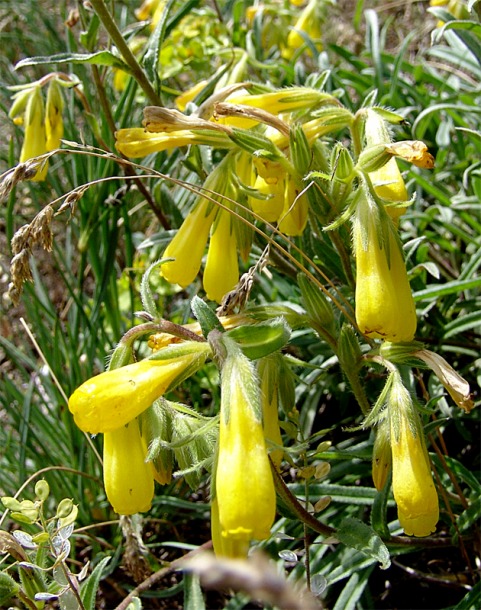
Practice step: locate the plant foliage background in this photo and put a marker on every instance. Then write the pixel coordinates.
(86, 289)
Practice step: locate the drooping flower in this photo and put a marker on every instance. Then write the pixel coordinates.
(293, 218)
(188, 245)
(384, 303)
(221, 272)
(35, 140)
(244, 487)
(137, 142)
(53, 115)
(412, 481)
(308, 25)
(128, 478)
(114, 398)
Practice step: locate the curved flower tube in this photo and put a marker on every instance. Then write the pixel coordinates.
(293, 219)
(268, 209)
(221, 272)
(53, 115)
(412, 481)
(128, 478)
(136, 142)
(114, 398)
(35, 141)
(188, 245)
(244, 486)
(384, 302)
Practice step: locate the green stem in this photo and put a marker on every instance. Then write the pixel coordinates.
(114, 32)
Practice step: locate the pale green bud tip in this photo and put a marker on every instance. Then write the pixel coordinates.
(344, 165)
(374, 157)
(317, 306)
(42, 490)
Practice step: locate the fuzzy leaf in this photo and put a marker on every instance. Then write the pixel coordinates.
(359, 536)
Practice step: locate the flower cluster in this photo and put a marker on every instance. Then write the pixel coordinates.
(111, 402)
(260, 177)
(42, 119)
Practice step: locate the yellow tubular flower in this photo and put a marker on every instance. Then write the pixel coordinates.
(53, 117)
(182, 100)
(387, 180)
(293, 219)
(384, 302)
(282, 100)
(187, 246)
(35, 141)
(136, 142)
(412, 481)
(221, 272)
(128, 479)
(268, 209)
(112, 399)
(309, 23)
(224, 545)
(243, 480)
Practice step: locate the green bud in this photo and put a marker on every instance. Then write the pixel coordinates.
(28, 517)
(64, 508)
(122, 354)
(317, 306)
(42, 490)
(349, 349)
(156, 426)
(381, 454)
(193, 441)
(342, 163)
(256, 144)
(8, 588)
(374, 157)
(299, 148)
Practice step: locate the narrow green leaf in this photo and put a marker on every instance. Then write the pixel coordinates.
(436, 291)
(469, 518)
(465, 322)
(152, 54)
(102, 58)
(88, 589)
(352, 591)
(193, 599)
